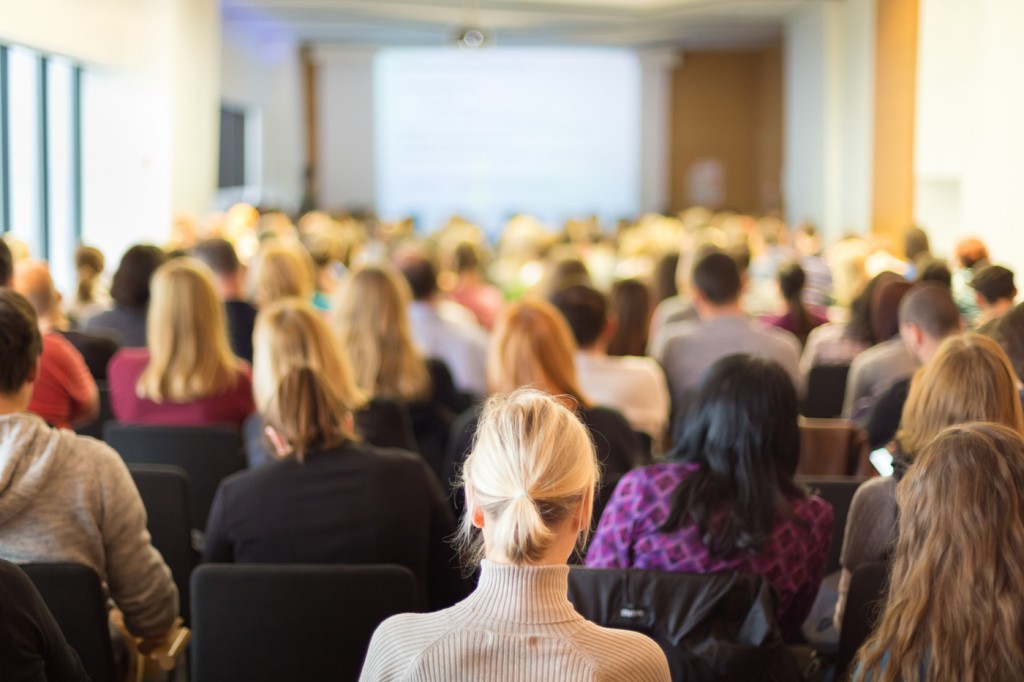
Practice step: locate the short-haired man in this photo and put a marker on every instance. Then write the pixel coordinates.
(634, 386)
(928, 316)
(69, 498)
(689, 348)
(994, 292)
(229, 278)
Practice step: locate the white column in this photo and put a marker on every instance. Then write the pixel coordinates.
(656, 73)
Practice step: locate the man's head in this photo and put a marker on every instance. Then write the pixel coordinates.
(33, 281)
(222, 259)
(419, 271)
(716, 282)
(6, 264)
(928, 314)
(994, 287)
(20, 347)
(586, 311)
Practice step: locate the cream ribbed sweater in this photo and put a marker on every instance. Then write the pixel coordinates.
(518, 626)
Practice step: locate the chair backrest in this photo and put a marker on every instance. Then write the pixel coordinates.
(864, 603)
(826, 388)
(712, 627)
(95, 427)
(833, 447)
(291, 622)
(838, 491)
(75, 597)
(208, 454)
(164, 492)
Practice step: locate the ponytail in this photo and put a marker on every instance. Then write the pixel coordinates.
(306, 413)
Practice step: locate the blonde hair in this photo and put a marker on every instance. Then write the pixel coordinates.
(533, 346)
(957, 583)
(291, 333)
(306, 412)
(969, 379)
(370, 313)
(189, 353)
(280, 271)
(532, 467)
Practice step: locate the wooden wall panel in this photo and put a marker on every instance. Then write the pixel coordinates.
(895, 101)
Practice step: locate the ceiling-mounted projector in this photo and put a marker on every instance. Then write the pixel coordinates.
(471, 38)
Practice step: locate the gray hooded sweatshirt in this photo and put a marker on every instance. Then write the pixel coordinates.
(69, 498)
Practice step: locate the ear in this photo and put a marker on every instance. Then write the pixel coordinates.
(33, 373)
(281, 446)
(475, 511)
(980, 300)
(609, 328)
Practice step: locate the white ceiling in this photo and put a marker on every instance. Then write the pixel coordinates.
(691, 24)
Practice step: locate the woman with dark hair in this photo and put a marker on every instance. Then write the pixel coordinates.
(726, 499)
(798, 318)
(630, 304)
(126, 322)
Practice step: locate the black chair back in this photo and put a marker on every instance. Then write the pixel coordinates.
(838, 491)
(713, 627)
(75, 597)
(208, 454)
(164, 492)
(95, 427)
(864, 603)
(826, 388)
(275, 622)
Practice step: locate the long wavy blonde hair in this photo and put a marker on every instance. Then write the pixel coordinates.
(532, 346)
(370, 313)
(969, 379)
(954, 603)
(291, 333)
(280, 271)
(189, 353)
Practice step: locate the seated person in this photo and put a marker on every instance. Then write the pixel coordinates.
(188, 375)
(994, 292)
(532, 346)
(331, 499)
(635, 386)
(126, 321)
(229, 278)
(952, 610)
(65, 393)
(279, 271)
(292, 333)
(629, 304)
(838, 343)
(970, 378)
(529, 485)
(798, 319)
(69, 498)
(726, 500)
(32, 647)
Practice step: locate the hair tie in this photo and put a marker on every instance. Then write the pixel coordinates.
(522, 493)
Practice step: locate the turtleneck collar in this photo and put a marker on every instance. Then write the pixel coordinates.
(523, 594)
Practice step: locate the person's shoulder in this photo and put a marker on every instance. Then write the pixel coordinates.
(814, 509)
(622, 654)
(776, 335)
(129, 356)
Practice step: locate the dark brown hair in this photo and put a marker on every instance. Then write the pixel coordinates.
(20, 342)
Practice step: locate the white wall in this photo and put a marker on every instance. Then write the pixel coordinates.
(828, 84)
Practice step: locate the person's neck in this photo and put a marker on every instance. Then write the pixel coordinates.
(51, 323)
(598, 348)
(708, 312)
(997, 309)
(229, 289)
(18, 402)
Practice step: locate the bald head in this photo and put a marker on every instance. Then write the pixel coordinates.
(32, 280)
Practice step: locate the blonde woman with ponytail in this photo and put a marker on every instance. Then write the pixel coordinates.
(529, 484)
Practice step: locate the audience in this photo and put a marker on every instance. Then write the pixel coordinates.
(969, 379)
(529, 484)
(994, 293)
(126, 321)
(463, 348)
(68, 498)
(917, 250)
(726, 499)
(630, 308)
(635, 386)
(798, 319)
(471, 287)
(332, 499)
(229, 278)
(928, 315)
(533, 347)
(280, 271)
(953, 609)
(65, 393)
(971, 256)
(292, 333)
(188, 374)
(723, 329)
(838, 343)
(90, 296)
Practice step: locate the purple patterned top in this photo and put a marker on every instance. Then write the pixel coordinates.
(793, 559)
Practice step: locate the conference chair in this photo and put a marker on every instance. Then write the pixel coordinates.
(833, 447)
(826, 388)
(75, 597)
(164, 493)
(273, 622)
(838, 491)
(208, 454)
(712, 627)
(864, 604)
(95, 427)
